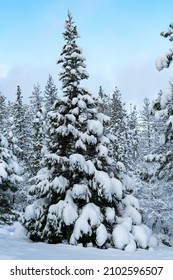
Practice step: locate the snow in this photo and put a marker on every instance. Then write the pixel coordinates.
(80, 191)
(69, 214)
(80, 144)
(130, 211)
(95, 127)
(104, 119)
(104, 184)
(78, 162)
(110, 214)
(141, 236)
(101, 235)
(117, 188)
(164, 61)
(59, 184)
(29, 213)
(170, 122)
(14, 245)
(120, 236)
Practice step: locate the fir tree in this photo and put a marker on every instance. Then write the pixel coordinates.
(132, 138)
(119, 126)
(19, 120)
(37, 141)
(3, 112)
(50, 94)
(36, 99)
(81, 195)
(105, 102)
(38, 115)
(163, 154)
(9, 181)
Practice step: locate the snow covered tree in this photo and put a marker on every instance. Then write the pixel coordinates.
(37, 124)
(132, 138)
(50, 93)
(9, 181)
(157, 182)
(19, 120)
(37, 141)
(36, 99)
(119, 126)
(163, 154)
(148, 129)
(3, 112)
(105, 102)
(82, 196)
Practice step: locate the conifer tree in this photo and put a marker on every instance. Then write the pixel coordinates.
(38, 115)
(163, 154)
(132, 138)
(79, 198)
(19, 120)
(148, 133)
(3, 112)
(9, 181)
(37, 141)
(119, 126)
(50, 93)
(36, 99)
(105, 102)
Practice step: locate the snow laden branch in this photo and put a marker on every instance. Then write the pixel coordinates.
(165, 60)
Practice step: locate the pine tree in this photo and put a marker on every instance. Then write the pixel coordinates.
(133, 138)
(37, 124)
(119, 127)
(148, 131)
(50, 94)
(9, 181)
(37, 141)
(157, 180)
(163, 154)
(105, 102)
(19, 120)
(79, 198)
(3, 112)
(36, 99)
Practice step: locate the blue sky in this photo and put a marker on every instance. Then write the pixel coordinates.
(120, 40)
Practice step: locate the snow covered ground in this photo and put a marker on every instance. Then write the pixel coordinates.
(15, 246)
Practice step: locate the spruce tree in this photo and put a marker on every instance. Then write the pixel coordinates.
(105, 102)
(82, 196)
(37, 124)
(9, 181)
(119, 126)
(133, 138)
(50, 93)
(3, 112)
(19, 120)
(163, 154)
(36, 99)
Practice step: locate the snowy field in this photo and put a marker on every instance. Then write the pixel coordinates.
(15, 246)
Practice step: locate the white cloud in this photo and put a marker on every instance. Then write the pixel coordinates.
(4, 70)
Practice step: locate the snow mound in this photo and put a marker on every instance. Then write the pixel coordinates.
(120, 237)
(95, 127)
(89, 218)
(110, 214)
(141, 235)
(101, 235)
(78, 162)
